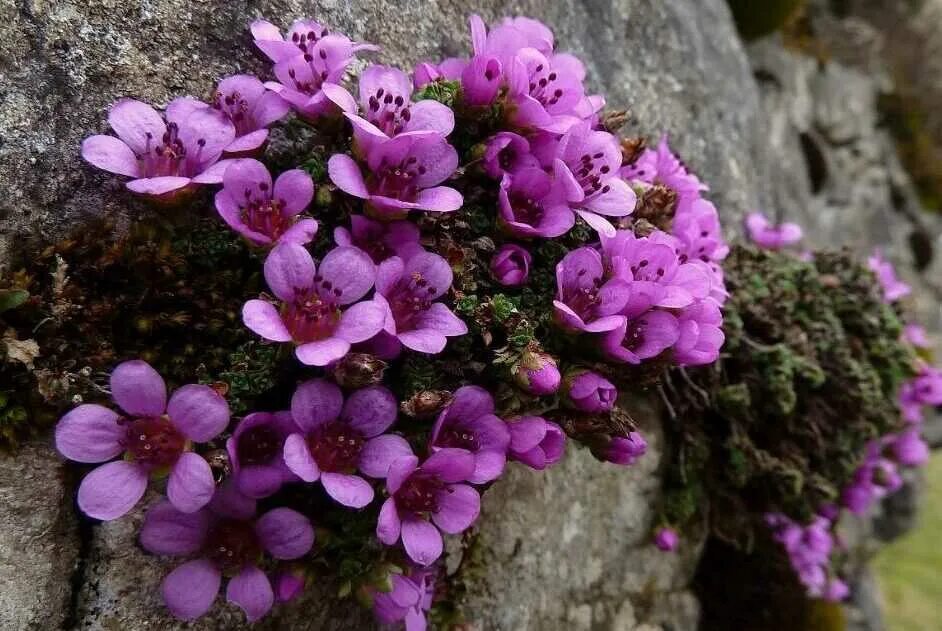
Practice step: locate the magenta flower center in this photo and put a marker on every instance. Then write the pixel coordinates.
(171, 156)
(398, 181)
(258, 446)
(410, 298)
(544, 88)
(265, 216)
(589, 174)
(459, 437)
(584, 300)
(645, 271)
(419, 494)
(389, 113)
(231, 545)
(312, 317)
(236, 109)
(154, 441)
(525, 209)
(336, 447)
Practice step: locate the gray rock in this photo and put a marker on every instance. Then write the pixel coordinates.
(39, 542)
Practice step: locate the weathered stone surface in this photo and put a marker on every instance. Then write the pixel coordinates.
(39, 543)
(572, 543)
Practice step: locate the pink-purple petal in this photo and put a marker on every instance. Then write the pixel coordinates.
(458, 506)
(296, 189)
(138, 389)
(169, 531)
(422, 541)
(110, 154)
(378, 453)
(351, 273)
(361, 322)
(323, 352)
(450, 464)
(371, 410)
(90, 433)
(349, 490)
(191, 484)
(285, 533)
(251, 590)
(345, 173)
(388, 525)
(316, 402)
(263, 319)
(189, 590)
(439, 199)
(289, 268)
(199, 412)
(158, 185)
(133, 120)
(111, 490)
(298, 458)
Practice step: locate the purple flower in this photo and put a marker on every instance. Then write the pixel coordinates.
(916, 335)
(923, 389)
(658, 278)
(591, 392)
(262, 213)
(696, 227)
(163, 158)
(154, 436)
(585, 164)
(623, 450)
(404, 174)
(420, 496)
(255, 452)
(303, 38)
(661, 166)
(537, 373)
(893, 288)
(380, 240)
(909, 448)
(836, 590)
(251, 108)
(530, 206)
(305, 62)
(407, 293)
(584, 300)
(411, 596)
(388, 109)
(469, 423)
(319, 310)
(875, 478)
(666, 539)
(507, 153)
(510, 265)
(700, 335)
(643, 337)
(226, 539)
(536, 442)
(339, 438)
(768, 236)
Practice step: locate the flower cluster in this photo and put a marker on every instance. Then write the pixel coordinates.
(809, 551)
(376, 282)
(893, 288)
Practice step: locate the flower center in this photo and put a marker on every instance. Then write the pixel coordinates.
(258, 446)
(647, 272)
(170, 157)
(310, 317)
(589, 174)
(419, 494)
(336, 447)
(236, 109)
(231, 545)
(389, 113)
(544, 87)
(154, 441)
(398, 181)
(526, 210)
(584, 300)
(265, 216)
(411, 297)
(459, 437)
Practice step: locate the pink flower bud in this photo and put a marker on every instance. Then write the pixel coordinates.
(511, 265)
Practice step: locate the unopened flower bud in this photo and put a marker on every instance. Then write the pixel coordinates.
(621, 450)
(666, 539)
(537, 374)
(288, 584)
(359, 370)
(590, 392)
(510, 266)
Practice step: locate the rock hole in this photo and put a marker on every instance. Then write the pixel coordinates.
(815, 162)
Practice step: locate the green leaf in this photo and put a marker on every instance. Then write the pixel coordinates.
(12, 298)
